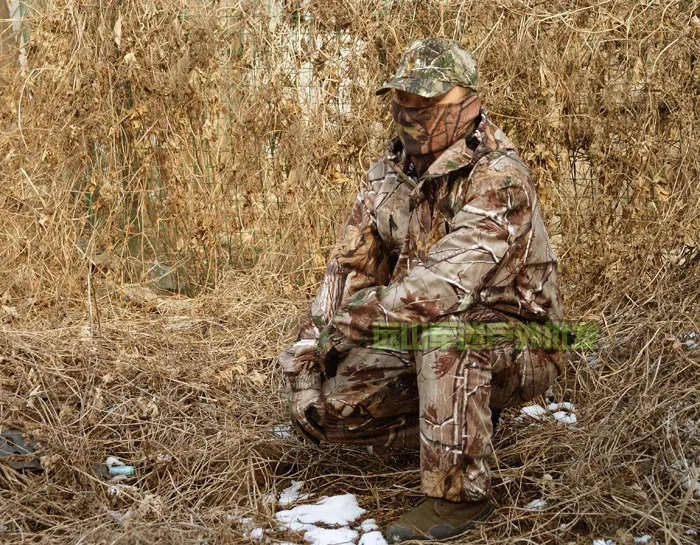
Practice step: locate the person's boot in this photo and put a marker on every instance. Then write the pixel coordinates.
(434, 518)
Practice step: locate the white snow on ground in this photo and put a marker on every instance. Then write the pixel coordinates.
(536, 505)
(292, 494)
(333, 511)
(689, 476)
(372, 538)
(564, 412)
(564, 417)
(326, 522)
(325, 536)
(692, 340)
(256, 533)
(642, 540)
(369, 525)
(536, 412)
(563, 406)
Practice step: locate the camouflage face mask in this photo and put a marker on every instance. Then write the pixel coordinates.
(433, 129)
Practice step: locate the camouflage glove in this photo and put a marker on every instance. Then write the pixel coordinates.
(309, 412)
(300, 365)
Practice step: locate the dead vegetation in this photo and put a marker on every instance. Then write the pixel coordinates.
(214, 150)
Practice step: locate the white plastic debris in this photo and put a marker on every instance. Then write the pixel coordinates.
(282, 431)
(118, 488)
(127, 471)
(536, 505)
(112, 461)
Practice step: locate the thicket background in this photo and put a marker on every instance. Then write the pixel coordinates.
(173, 175)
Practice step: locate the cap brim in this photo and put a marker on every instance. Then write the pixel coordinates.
(427, 89)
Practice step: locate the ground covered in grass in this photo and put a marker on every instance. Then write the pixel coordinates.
(187, 392)
(173, 176)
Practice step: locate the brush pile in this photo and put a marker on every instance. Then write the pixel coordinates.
(173, 175)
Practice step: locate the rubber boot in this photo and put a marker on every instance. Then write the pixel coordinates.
(435, 518)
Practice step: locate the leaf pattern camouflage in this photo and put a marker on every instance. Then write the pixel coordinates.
(432, 67)
(463, 243)
(426, 131)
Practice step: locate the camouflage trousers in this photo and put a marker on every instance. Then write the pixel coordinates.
(438, 399)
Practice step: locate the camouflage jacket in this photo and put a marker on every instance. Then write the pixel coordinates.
(468, 232)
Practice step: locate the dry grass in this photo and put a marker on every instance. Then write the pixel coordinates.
(191, 139)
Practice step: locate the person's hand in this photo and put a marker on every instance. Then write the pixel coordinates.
(309, 411)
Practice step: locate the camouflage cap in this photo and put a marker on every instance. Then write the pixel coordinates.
(432, 67)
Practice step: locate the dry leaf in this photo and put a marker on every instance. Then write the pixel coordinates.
(118, 32)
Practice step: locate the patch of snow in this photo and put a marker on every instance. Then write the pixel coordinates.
(536, 412)
(536, 505)
(369, 525)
(334, 511)
(563, 406)
(689, 476)
(372, 538)
(646, 538)
(325, 536)
(256, 533)
(603, 542)
(249, 528)
(563, 412)
(327, 522)
(691, 425)
(691, 532)
(292, 494)
(565, 526)
(564, 417)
